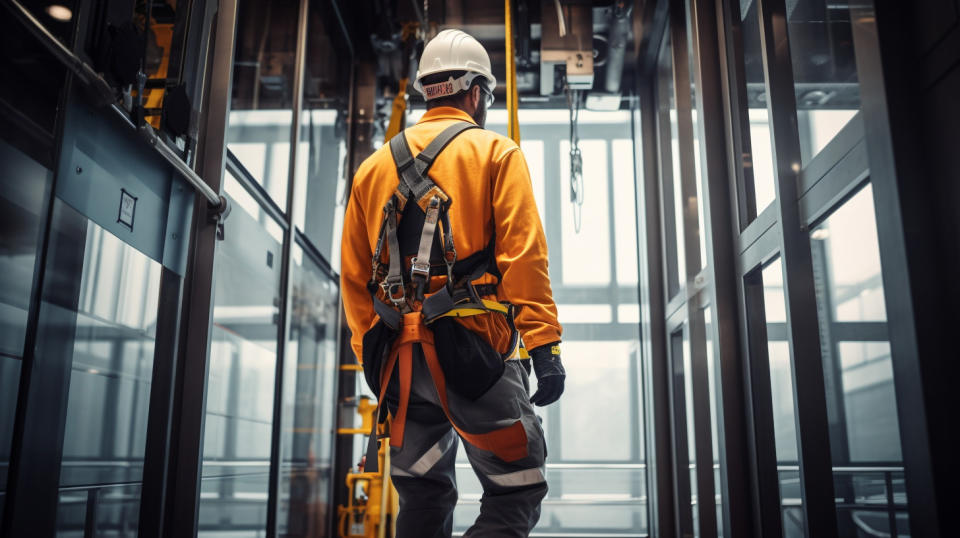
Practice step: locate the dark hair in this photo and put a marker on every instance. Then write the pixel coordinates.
(456, 100)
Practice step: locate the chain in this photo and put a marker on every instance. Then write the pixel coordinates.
(576, 160)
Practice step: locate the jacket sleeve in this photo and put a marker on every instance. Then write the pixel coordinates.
(355, 256)
(521, 251)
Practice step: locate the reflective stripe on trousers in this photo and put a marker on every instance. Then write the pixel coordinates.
(423, 469)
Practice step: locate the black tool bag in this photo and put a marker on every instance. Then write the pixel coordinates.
(470, 364)
(376, 350)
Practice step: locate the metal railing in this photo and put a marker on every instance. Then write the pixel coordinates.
(866, 494)
(106, 95)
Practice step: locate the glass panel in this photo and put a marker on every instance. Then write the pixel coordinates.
(321, 178)
(824, 70)
(261, 116)
(858, 372)
(758, 154)
(697, 159)
(22, 211)
(321, 155)
(243, 353)
(670, 170)
(309, 402)
(587, 435)
(242, 199)
(117, 511)
(713, 370)
(533, 154)
(625, 213)
(585, 313)
(165, 58)
(32, 78)
(584, 500)
(781, 390)
(105, 315)
(692, 69)
(596, 464)
(58, 18)
(586, 255)
(689, 418)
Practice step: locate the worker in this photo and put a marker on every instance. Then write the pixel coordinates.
(444, 269)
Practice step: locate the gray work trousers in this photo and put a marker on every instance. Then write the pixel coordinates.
(423, 468)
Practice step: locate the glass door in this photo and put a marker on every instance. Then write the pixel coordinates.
(96, 408)
(102, 324)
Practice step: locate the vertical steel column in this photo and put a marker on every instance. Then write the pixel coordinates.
(691, 236)
(721, 225)
(660, 492)
(682, 489)
(816, 475)
(283, 327)
(156, 460)
(761, 444)
(193, 360)
(921, 341)
(738, 139)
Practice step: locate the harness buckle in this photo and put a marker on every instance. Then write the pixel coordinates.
(394, 290)
(418, 267)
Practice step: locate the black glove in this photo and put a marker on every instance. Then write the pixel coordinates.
(550, 374)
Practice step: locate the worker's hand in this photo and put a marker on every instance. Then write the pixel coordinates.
(550, 374)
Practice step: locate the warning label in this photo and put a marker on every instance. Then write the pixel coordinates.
(440, 89)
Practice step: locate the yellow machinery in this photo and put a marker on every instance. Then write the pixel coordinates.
(412, 33)
(398, 115)
(373, 503)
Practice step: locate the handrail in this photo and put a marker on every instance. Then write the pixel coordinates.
(106, 96)
(150, 136)
(852, 468)
(578, 465)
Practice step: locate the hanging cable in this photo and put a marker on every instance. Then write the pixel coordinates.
(576, 159)
(561, 22)
(426, 18)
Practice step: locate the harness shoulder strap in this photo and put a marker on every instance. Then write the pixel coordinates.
(414, 181)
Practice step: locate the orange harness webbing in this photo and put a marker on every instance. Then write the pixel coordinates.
(508, 443)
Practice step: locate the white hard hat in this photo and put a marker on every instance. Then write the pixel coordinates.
(453, 50)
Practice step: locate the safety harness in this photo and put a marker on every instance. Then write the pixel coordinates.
(419, 211)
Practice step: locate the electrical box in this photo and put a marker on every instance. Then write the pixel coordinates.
(567, 40)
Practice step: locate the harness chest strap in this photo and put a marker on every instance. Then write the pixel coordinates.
(508, 443)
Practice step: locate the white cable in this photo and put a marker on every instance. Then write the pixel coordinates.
(563, 24)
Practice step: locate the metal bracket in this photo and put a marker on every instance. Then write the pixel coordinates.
(218, 214)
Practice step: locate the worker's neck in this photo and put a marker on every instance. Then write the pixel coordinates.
(478, 114)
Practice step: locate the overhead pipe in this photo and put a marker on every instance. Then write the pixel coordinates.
(617, 39)
(106, 96)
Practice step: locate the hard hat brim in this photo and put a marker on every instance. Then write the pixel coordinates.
(471, 74)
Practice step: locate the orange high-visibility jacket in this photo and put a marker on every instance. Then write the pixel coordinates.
(487, 179)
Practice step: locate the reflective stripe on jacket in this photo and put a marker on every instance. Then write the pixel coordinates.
(487, 179)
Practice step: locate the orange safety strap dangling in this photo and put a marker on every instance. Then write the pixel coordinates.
(508, 443)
